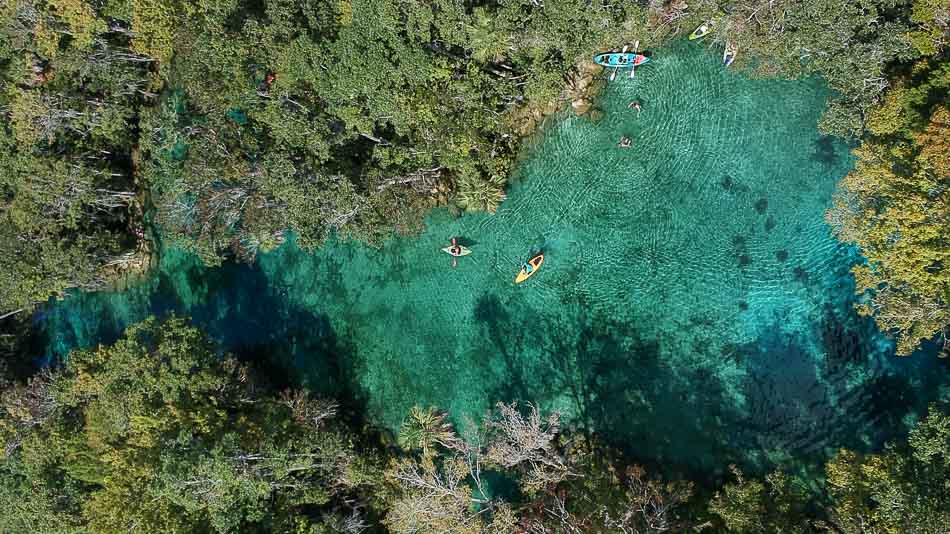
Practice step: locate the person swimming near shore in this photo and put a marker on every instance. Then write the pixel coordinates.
(635, 105)
(625, 142)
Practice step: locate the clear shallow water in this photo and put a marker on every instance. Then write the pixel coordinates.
(693, 307)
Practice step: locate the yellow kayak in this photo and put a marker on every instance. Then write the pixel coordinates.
(535, 263)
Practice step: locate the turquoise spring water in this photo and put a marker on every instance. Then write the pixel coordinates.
(693, 307)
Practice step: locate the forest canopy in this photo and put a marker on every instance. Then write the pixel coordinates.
(161, 432)
(895, 206)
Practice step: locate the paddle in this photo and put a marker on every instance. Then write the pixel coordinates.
(633, 67)
(614, 73)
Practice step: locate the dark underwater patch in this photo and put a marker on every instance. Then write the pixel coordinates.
(761, 205)
(801, 274)
(825, 150)
(781, 255)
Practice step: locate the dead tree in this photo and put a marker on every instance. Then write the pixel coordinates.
(527, 441)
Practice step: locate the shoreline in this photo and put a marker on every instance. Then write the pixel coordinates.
(583, 84)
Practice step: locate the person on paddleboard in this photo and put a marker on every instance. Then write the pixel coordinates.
(455, 251)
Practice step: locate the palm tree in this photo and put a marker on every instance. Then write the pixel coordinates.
(480, 194)
(486, 42)
(425, 428)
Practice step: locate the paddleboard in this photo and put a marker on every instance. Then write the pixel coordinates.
(463, 252)
(730, 54)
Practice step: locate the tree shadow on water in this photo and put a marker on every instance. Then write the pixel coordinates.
(289, 345)
(505, 336)
(790, 407)
(803, 405)
(611, 382)
(237, 306)
(882, 392)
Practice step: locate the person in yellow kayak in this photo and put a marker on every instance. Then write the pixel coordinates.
(529, 267)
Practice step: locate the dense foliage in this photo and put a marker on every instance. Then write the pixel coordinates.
(160, 432)
(895, 205)
(68, 91)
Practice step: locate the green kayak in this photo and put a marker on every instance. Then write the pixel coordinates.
(701, 31)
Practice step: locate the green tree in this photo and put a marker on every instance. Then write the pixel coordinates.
(906, 489)
(933, 31)
(161, 433)
(70, 88)
(424, 429)
(895, 205)
(775, 505)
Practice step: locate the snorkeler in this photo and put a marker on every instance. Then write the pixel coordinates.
(635, 105)
(625, 142)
